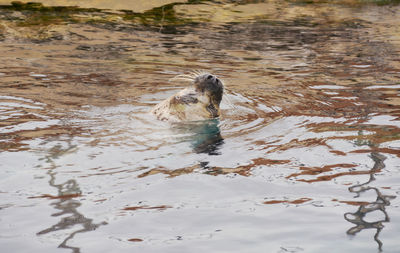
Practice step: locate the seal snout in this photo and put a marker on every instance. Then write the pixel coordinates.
(213, 79)
(208, 82)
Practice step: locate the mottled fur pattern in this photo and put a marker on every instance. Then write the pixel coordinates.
(198, 102)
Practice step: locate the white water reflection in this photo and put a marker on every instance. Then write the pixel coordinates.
(123, 157)
(304, 151)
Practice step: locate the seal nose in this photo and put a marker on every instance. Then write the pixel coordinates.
(209, 77)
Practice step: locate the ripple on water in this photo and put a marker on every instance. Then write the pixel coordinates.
(307, 141)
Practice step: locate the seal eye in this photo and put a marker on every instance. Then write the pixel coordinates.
(209, 77)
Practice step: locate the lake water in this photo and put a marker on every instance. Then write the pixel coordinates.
(305, 157)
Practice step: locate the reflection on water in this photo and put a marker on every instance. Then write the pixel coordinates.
(65, 204)
(312, 97)
(204, 136)
(380, 204)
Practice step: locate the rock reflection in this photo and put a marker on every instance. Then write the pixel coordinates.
(205, 136)
(358, 217)
(67, 206)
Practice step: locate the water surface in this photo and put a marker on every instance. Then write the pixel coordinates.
(305, 157)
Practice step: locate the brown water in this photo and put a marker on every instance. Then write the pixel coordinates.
(305, 158)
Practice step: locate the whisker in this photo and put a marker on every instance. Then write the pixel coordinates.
(184, 76)
(188, 77)
(198, 72)
(181, 78)
(228, 101)
(193, 74)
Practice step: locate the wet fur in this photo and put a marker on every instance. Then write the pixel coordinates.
(198, 102)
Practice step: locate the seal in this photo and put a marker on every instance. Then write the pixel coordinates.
(200, 101)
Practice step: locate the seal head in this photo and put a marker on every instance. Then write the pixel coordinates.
(213, 87)
(198, 102)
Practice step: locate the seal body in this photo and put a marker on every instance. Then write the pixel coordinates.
(198, 102)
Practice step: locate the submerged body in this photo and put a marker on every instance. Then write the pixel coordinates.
(198, 102)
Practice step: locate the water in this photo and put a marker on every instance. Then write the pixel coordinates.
(305, 157)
